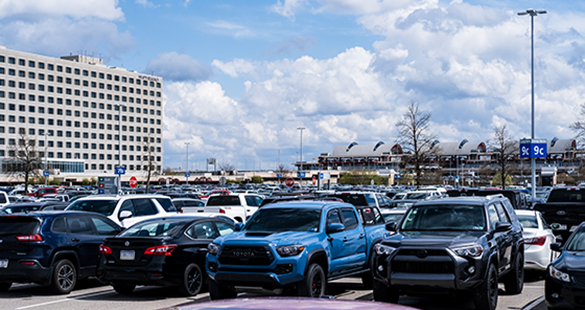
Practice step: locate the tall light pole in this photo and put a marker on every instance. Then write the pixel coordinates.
(532, 13)
(46, 158)
(301, 155)
(187, 158)
(119, 105)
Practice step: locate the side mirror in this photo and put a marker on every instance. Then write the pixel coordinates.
(238, 226)
(335, 227)
(555, 226)
(501, 227)
(125, 214)
(556, 246)
(390, 226)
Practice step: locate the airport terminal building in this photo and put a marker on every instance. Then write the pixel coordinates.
(77, 111)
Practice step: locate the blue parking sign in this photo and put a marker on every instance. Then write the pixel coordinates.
(120, 170)
(533, 148)
(301, 174)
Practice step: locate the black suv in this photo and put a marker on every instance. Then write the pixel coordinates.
(450, 245)
(54, 248)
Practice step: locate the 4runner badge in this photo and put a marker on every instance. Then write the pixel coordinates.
(127, 243)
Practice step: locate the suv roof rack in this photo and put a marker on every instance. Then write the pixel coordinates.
(490, 197)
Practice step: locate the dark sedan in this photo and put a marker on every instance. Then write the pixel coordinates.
(565, 278)
(165, 251)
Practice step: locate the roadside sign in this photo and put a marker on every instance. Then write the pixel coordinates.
(279, 175)
(120, 170)
(314, 181)
(300, 174)
(187, 174)
(533, 148)
(397, 176)
(289, 182)
(133, 182)
(222, 181)
(324, 175)
(45, 173)
(107, 185)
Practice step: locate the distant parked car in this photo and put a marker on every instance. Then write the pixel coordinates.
(393, 215)
(538, 237)
(167, 252)
(31, 206)
(189, 205)
(4, 199)
(43, 191)
(55, 249)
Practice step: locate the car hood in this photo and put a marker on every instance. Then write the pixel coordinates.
(434, 238)
(275, 238)
(572, 261)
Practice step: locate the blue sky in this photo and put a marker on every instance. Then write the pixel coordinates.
(241, 76)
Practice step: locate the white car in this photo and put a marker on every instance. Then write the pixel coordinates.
(537, 239)
(127, 210)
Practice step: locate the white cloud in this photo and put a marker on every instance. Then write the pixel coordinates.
(231, 29)
(175, 67)
(146, 3)
(235, 67)
(104, 9)
(288, 8)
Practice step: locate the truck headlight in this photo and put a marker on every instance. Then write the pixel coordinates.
(474, 250)
(381, 249)
(557, 274)
(213, 248)
(290, 250)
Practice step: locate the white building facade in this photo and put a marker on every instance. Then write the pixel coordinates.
(76, 109)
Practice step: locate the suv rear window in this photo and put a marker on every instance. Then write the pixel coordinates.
(18, 225)
(223, 201)
(354, 199)
(105, 207)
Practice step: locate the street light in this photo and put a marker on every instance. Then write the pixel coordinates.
(46, 158)
(119, 105)
(301, 155)
(187, 158)
(532, 13)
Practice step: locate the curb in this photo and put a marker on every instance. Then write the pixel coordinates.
(534, 304)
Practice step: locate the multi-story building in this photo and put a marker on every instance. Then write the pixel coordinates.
(76, 109)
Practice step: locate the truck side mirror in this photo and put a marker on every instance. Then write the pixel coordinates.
(502, 226)
(238, 226)
(555, 246)
(335, 227)
(390, 226)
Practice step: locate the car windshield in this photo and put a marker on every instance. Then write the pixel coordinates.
(105, 207)
(444, 217)
(285, 219)
(528, 221)
(156, 229)
(577, 243)
(417, 196)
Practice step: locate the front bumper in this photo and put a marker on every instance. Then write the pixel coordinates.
(33, 271)
(564, 295)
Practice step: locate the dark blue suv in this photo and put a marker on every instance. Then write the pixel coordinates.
(51, 248)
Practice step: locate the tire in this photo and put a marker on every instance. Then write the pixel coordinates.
(5, 286)
(192, 281)
(485, 297)
(384, 293)
(314, 284)
(124, 289)
(367, 280)
(64, 277)
(218, 291)
(514, 280)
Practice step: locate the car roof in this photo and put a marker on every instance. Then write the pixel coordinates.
(52, 213)
(118, 197)
(475, 200)
(304, 204)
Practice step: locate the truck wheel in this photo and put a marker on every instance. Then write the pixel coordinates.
(218, 291)
(192, 281)
(64, 277)
(514, 280)
(4, 286)
(367, 280)
(485, 297)
(124, 289)
(384, 293)
(314, 284)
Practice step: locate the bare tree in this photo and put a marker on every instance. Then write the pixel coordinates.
(503, 146)
(25, 160)
(579, 126)
(148, 160)
(227, 167)
(415, 137)
(283, 170)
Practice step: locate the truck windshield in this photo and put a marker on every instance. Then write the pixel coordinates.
(563, 195)
(444, 217)
(105, 207)
(285, 219)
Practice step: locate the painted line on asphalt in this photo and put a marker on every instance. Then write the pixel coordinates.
(67, 299)
(535, 303)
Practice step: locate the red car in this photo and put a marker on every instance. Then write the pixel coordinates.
(215, 192)
(43, 191)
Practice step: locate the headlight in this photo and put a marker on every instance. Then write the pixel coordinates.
(474, 250)
(381, 249)
(213, 248)
(557, 274)
(290, 250)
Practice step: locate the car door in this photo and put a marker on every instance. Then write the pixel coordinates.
(200, 234)
(144, 209)
(336, 243)
(85, 241)
(504, 238)
(354, 239)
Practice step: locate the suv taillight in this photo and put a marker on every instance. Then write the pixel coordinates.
(166, 250)
(105, 249)
(222, 211)
(536, 240)
(35, 237)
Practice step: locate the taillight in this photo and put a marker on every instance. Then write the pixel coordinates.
(165, 250)
(105, 249)
(35, 237)
(536, 240)
(222, 211)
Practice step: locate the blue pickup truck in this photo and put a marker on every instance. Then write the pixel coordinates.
(296, 246)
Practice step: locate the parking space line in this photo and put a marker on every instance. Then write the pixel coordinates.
(66, 299)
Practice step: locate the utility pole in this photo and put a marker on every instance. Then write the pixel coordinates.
(301, 155)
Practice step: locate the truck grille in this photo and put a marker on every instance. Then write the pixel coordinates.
(246, 255)
(422, 267)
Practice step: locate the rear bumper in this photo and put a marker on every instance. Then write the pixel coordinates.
(16, 272)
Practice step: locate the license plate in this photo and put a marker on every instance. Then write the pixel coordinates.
(3, 263)
(574, 228)
(127, 255)
(562, 227)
